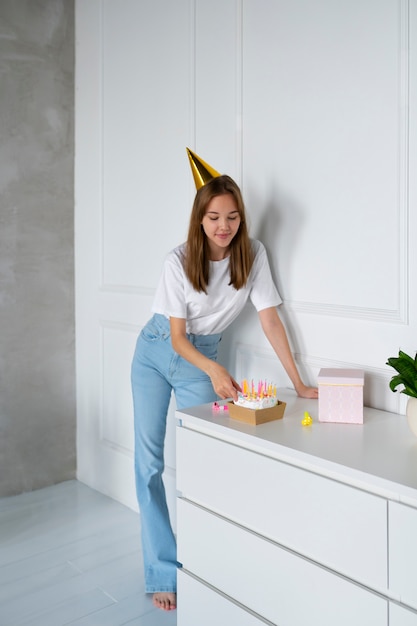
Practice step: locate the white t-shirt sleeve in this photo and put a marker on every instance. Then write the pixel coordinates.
(170, 293)
(263, 293)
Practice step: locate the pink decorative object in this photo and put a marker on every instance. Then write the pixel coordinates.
(341, 395)
(219, 407)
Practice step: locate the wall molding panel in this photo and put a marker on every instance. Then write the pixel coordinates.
(397, 316)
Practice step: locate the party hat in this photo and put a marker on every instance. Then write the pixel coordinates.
(202, 171)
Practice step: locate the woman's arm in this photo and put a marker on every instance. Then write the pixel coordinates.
(223, 384)
(275, 332)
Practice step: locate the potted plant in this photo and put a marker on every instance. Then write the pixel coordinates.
(406, 368)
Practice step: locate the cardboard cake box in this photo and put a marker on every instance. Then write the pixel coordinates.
(341, 395)
(257, 416)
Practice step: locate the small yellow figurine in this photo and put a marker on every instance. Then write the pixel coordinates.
(308, 420)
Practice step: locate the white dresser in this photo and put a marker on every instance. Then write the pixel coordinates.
(289, 525)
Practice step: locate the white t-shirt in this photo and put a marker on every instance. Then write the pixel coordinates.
(210, 313)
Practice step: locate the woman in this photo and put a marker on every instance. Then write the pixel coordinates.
(204, 285)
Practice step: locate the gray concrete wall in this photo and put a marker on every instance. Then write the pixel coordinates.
(37, 351)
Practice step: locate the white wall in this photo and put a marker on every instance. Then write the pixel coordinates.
(311, 106)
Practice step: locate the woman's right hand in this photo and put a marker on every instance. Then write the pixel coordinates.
(223, 384)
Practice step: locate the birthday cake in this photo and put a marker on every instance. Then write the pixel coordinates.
(257, 404)
(263, 396)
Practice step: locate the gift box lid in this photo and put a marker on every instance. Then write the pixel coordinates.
(339, 376)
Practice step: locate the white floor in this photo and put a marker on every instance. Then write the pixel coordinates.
(69, 555)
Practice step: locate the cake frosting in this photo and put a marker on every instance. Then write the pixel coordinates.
(255, 403)
(263, 396)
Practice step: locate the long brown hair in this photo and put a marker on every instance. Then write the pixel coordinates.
(197, 257)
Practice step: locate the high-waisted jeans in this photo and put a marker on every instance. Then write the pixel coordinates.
(156, 371)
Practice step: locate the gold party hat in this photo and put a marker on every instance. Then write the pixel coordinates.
(202, 171)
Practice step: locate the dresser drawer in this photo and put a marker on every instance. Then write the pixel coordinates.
(403, 553)
(199, 605)
(271, 581)
(336, 525)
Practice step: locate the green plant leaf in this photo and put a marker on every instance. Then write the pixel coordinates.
(406, 357)
(406, 367)
(410, 392)
(395, 381)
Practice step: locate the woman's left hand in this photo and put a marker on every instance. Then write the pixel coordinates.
(307, 392)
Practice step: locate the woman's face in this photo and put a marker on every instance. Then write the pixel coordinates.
(220, 224)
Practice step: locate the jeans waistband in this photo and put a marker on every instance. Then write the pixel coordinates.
(163, 324)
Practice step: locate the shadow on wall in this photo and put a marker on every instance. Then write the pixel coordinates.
(278, 226)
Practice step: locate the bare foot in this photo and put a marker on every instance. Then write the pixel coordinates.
(165, 600)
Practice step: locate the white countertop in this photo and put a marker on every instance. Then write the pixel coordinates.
(379, 456)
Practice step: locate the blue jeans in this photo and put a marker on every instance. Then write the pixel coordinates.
(156, 371)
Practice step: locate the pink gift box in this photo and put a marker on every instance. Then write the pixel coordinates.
(341, 395)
